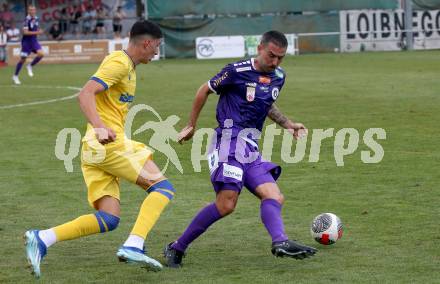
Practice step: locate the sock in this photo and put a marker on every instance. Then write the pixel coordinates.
(205, 218)
(150, 212)
(85, 225)
(270, 211)
(48, 237)
(36, 60)
(18, 68)
(134, 241)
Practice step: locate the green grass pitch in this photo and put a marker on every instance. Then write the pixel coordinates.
(389, 209)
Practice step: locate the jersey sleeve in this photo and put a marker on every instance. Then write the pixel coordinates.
(222, 80)
(26, 24)
(282, 75)
(110, 72)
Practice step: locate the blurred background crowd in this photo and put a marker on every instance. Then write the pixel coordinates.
(72, 20)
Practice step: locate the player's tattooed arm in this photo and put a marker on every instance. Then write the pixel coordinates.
(277, 117)
(297, 129)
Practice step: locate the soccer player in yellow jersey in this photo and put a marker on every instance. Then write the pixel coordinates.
(108, 155)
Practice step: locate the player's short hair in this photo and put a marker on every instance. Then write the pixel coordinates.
(275, 37)
(143, 28)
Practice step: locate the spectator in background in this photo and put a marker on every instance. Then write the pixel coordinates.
(1, 15)
(64, 20)
(118, 16)
(101, 15)
(7, 16)
(55, 32)
(75, 17)
(3, 43)
(87, 19)
(13, 33)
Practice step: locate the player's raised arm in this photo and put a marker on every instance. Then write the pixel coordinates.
(297, 129)
(198, 103)
(87, 103)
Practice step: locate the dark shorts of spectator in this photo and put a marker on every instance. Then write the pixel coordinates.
(86, 29)
(117, 28)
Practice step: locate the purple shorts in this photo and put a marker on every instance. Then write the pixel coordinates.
(28, 47)
(240, 165)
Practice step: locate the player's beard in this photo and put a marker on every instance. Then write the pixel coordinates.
(263, 66)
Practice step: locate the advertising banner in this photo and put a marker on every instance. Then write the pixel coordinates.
(371, 30)
(219, 47)
(236, 46)
(77, 51)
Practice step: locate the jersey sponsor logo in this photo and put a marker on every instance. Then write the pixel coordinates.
(126, 98)
(217, 81)
(279, 73)
(264, 89)
(253, 84)
(232, 172)
(275, 93)
(250, 94)
(264, 80)
(241, 69)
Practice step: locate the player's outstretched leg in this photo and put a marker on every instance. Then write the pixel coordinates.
(35, 251)
(225, 203)
(132, 251)
(17, 71)
(174, 252)
(38, 241)
(160, 193)
(34, 62)
(270, 210)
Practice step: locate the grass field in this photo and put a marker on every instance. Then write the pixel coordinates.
(389, 209)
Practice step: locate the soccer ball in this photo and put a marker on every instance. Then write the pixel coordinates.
(326, 228)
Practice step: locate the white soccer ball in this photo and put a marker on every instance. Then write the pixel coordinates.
(326, 228)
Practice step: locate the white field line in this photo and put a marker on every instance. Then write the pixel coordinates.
(45, 101)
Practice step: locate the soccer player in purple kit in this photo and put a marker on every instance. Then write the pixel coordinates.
(247, 91)
(29, 43)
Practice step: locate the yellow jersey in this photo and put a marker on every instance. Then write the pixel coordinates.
(117, 75)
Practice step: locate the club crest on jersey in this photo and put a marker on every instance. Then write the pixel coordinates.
(250, 94)
(275, 93)
(264, 80)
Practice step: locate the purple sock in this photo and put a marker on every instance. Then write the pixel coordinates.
(205, 218)
(36, 60)
(270, 211)
(18, 68)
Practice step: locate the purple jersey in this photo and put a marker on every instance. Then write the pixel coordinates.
(246, 94)
(32, 25)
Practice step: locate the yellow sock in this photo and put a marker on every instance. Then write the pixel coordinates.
(82, 226)
(149, 213)
(85, 225)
